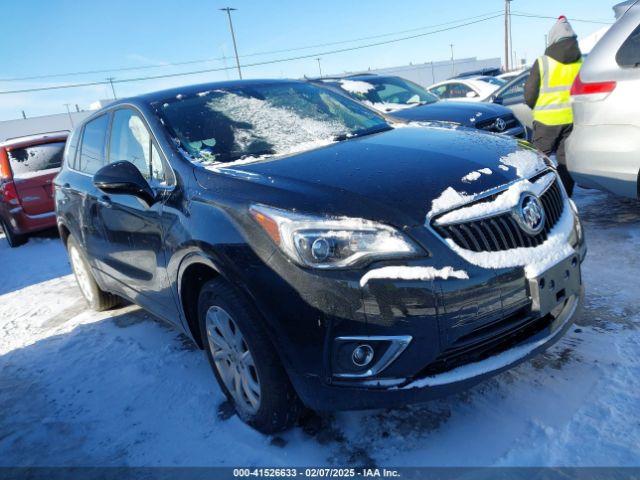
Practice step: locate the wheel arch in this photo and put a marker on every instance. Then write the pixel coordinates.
(195, 270)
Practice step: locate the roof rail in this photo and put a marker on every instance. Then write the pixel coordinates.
(38, 134)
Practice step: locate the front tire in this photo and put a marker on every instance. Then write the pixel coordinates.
(97, 298)
(13, 239)
(244, 361)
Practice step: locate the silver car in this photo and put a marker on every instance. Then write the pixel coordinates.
(603, 151)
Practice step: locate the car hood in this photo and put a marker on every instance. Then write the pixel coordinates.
(391, 177)
(464, 113)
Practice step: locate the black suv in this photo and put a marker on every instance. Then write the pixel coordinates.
(318, 255)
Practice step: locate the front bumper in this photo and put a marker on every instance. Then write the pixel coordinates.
(392, 393)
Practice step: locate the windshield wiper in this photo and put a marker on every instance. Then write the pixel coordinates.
(360, 133)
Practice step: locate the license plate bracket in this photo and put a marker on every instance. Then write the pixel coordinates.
(555, 285)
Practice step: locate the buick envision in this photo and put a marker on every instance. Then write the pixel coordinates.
(318, 255)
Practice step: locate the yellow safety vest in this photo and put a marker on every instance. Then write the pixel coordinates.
(553, 106)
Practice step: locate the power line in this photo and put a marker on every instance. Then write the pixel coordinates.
(255, 64)
(531, 15)
(248, 55)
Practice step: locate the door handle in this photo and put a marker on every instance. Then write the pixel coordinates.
(104, 201)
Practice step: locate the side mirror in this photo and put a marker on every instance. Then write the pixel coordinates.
(497, 99)
(123, 178)
(471, 94)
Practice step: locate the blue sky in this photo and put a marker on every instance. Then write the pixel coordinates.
(50, 37)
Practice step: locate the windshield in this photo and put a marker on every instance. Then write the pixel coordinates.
(387, 92)
(227, 124)
(492, 80)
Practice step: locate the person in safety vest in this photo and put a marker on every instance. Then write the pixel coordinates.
(547, 93)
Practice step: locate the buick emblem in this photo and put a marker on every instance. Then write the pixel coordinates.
(500, 125)
(530, 214)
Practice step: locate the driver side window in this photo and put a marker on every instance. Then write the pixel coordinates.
(457, 90)
(131, 141)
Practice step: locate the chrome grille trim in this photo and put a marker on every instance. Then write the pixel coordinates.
(500, 231)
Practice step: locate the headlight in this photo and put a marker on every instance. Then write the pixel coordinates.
(330, 242)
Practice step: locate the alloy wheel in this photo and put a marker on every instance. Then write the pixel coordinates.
(233, 359)
(83, 276)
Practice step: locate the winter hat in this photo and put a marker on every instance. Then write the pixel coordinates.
(561, 30)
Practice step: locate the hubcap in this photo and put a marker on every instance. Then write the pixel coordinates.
(81, 272)
(233, 359)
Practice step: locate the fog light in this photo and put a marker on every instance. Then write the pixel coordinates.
(362, 355)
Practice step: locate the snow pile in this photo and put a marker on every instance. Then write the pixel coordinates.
(356, 86)
(412, 273)
(502, 203)
(526, 162)
(387, 107)
(476, 174)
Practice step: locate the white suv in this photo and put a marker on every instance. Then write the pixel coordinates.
(603, 150)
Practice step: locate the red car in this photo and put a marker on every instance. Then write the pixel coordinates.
(28, 166)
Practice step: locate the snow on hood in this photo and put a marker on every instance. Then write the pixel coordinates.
(526, 163)
(502, 203)
(412, 273)
(476, 174)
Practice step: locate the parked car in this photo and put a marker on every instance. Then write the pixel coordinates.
(603, 151)
(463, 90)
(318, 255)
(488, 72)
(407, 101)
(27, 168)
(511, 95)
(510, 75)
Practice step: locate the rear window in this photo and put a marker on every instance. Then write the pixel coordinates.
(27, 160)
(629, 53)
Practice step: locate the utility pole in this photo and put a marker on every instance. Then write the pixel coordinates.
(233, 37)
(433, 75)
(113, 89)
(453, 63)
(319, 66)
(69, 113)
(507, 34)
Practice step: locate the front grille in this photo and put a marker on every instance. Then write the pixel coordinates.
(502, 231)
(491, 125)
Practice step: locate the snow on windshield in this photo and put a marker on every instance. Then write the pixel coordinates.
(356, 86)
(252, 122)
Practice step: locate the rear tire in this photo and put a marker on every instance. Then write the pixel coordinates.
(97, 298)
(13, 239)
(246, 365)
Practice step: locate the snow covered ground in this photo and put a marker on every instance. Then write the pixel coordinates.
(119, 388)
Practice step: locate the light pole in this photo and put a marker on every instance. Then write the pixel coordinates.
(453, 64)
(113, 90)
(507, 34)
(319, 66)
(69, 113)
(233, 37)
